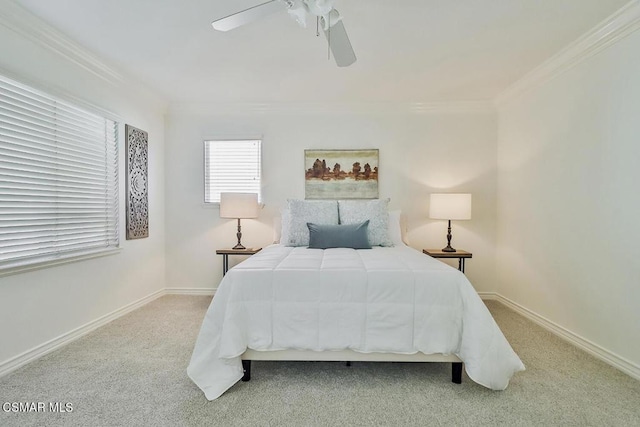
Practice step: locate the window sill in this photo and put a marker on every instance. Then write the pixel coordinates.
(8, 271)
(212, 205)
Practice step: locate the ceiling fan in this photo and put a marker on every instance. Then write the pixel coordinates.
(323, 11)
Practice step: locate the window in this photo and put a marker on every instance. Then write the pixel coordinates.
(58, 180)
(231, 166)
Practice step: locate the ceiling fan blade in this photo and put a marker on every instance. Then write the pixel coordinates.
(340, 45)
(248, 15)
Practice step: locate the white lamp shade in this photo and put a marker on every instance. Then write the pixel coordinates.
(238, 205)
(450, 206)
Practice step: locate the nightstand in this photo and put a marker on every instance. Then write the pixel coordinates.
(461, 255)
(226, 252)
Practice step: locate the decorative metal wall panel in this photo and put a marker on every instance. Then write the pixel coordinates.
(137, 203)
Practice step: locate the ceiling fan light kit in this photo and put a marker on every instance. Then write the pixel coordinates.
(299, 10)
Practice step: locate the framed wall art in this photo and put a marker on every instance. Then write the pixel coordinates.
(137, 184)
(341, 174)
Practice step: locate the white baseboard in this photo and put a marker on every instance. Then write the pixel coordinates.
(16, 362)
(593, 349)
(190, 291)
(488, 296)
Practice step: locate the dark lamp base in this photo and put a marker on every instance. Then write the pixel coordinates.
(448, 248)
(239, 236)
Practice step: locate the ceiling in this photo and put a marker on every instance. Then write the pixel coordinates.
(408, 51)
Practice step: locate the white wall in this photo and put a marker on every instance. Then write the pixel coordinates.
(41, 305)
(419, 154)
(568, 202)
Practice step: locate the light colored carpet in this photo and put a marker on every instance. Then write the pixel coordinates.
(132, 372)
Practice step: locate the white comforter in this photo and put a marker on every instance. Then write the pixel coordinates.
(394, 300)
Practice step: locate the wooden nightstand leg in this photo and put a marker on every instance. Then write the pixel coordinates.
(461, 264)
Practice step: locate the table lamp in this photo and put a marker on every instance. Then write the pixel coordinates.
(450, 206)
(238, 206)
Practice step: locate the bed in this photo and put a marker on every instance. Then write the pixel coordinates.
(385, 303)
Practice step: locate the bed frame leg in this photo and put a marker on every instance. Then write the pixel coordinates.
(348, 362)
(246, 366)
(456, 372)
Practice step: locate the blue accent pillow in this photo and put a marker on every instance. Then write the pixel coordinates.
(339, 236)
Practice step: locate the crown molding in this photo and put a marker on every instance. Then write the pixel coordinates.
(417, 108)
(26, 24)
(23, 22)
(613, 29)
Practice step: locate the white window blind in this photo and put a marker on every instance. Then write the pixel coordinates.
(231, 166)
(58, 179)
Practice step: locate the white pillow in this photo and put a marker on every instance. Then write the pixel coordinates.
(395, 229)
(299, 212)
(277, 228)
(285, 223)
(357, 211)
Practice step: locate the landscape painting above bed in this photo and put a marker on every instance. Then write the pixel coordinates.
(341, 174)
